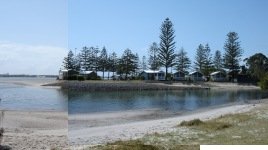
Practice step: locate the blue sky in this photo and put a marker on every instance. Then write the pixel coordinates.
(121, 24)
(35, 35)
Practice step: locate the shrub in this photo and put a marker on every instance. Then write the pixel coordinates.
(264, 83)
(72, 77)
(80, 78)
(194, 122)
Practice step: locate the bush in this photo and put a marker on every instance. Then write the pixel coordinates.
(264, 83)
(80, 78)
(194, 122)
(72, 77)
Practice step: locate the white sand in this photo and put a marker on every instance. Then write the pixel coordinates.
(90, 136)
(34, 130)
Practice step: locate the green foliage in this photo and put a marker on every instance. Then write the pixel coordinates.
(264, 82)
(128, 63)
(153, 60)
(166, 53)
(80, 78)
(72, 77)
(103, 61)
(68, 61)
(183, 62)
(208, 125)
(203, 59)
(129, 145)
(257, 66)
(194, 122)
(218, 61)
(233, 51)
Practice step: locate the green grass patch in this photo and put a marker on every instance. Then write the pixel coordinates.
(128, 145)
(208, 125)
(195, 122)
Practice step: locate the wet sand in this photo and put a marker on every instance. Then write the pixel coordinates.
(34, 130)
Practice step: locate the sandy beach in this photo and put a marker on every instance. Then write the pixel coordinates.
(34, 130)
(83, 136)
(26, 129)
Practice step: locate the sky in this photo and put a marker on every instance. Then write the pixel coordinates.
(35, 35)
(135, 24)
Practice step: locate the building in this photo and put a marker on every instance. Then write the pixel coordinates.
(179, 76)
(63, 74)
(89, 75)
(218, 76)
(67, 74)
(196, 76)
(153, 75)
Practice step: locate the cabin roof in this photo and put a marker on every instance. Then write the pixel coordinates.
(179, 72)
(86, 72)
(153, 71)
(194, 72)
(216, 72)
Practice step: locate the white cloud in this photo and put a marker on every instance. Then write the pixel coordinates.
(30, 59)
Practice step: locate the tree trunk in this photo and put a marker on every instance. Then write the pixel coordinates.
(103, 74)
(166, 73)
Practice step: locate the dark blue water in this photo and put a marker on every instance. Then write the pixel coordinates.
(174, 101)
(21, 97)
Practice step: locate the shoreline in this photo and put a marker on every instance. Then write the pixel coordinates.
(85, 136)
(25, 129)
(103, 85)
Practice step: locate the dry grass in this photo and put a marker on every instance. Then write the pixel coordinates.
(244, 128)
(208, 125)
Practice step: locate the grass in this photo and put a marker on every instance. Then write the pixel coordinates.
(140, 145)
(208, 125)
(128, 145)
(244, 128)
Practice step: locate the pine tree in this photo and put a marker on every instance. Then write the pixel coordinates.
(69, 62)
(128, 63)
(153, 60)
(167, 45)
(143, 63)
(102, 61)
(183, 62)
(199, 58)
(233, 52)
(93, 59)
(207, 60)
(218, 60)
(113, 62)
(77, 62)
(85, 58)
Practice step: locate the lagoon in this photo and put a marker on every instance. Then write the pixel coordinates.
(27, 94)
(168, 101)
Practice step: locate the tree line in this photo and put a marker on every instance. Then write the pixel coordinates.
(160, 55)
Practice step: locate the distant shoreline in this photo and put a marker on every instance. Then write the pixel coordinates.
(123, 86)
(145, 85)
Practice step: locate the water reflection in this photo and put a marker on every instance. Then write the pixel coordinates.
(88, 102)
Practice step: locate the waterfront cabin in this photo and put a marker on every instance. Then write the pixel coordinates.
(232, 75)
(89, 75)
(153, 75)
(218, 76)
(179, 76)
(196, 76)
(66, 74)
(63, 74)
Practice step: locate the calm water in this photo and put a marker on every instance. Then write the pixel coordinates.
(173, 101)
(25, 97)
